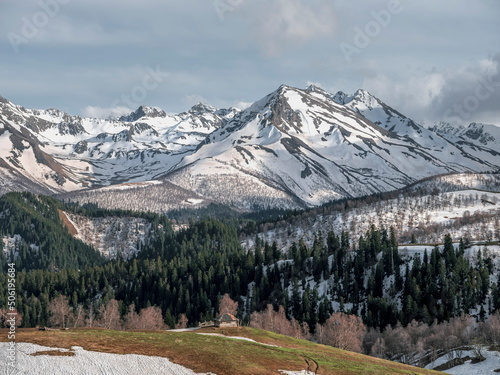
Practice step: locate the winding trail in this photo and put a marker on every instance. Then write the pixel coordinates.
(234, 337)
(312, 365)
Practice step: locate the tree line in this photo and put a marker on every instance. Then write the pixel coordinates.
(186, 273)
(179, 278)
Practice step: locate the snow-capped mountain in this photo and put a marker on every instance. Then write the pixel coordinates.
(309, 146)
(483, 135)
(25, 164)
(51, 151)
(293, 148)
(387, 117)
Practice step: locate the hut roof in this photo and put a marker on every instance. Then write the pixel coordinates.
(226, 317)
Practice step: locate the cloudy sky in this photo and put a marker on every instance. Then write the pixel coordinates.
(432, 60)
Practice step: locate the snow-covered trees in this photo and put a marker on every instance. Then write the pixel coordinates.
(419, 214)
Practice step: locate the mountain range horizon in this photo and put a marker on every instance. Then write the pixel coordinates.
(292, 148)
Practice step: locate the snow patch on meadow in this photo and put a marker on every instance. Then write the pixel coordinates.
(86, 362)
(488, 366)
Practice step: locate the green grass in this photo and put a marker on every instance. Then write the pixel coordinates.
(221, 355)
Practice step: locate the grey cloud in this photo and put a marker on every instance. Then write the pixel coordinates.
(94, 51)
(284, 24)
(471, 95)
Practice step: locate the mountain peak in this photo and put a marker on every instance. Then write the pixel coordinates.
(314, 88)
(364, 96)
(341, 98)
(56, 113)
(284, 89)
(201, 108)
(362, 92)
(3, 100)
(143, 111)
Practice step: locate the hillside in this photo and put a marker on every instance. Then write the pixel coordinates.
(267, 354)
(33, 235)
(464, 205)
(111, 235)
(183, 274)
(153, 196)
(40, 232)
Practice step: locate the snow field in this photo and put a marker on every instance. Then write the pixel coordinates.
(87, 362)
(485, 367)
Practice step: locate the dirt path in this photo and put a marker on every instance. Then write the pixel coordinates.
(234, 337)
(312, 365)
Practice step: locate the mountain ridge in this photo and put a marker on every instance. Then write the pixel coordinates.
(280, 129)
(292, 148)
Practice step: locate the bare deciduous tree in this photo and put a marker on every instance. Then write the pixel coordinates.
(131, 318)
(276, 321)
(492, 329)
(6, 316)
(90, 316)
(398, 344)
(110, 315)
(182, 322)
(379, 349)
(343, 331)
(79, 316)
(60, 311)
(151, 318)
(227, 305)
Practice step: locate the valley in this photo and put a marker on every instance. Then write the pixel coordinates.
(308, 210)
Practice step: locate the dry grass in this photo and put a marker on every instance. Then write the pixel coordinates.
(54, 353)
(220, 355)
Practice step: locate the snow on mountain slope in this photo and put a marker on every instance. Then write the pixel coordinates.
(293, 148)
(153, 196)
(480, 140)
(58, 152)
(376, 111)
(12, 245)
(141, 150)
(455, 204)
(489, 365)
(311, 148)
(462, 214)
(483, 135)
(381, 114)
(111, 236)
(23, 161)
